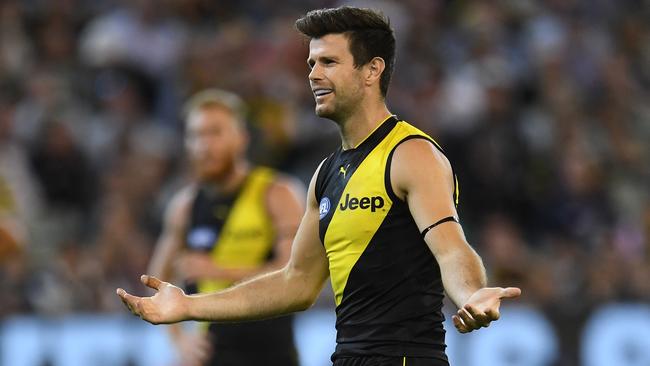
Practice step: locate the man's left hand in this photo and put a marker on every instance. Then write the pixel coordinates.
(482, 308)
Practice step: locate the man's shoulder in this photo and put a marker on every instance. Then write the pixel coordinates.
(407, 131)
(407, 128)
(283, 182)
(282, 186)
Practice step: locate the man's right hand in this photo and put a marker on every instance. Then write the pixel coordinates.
(168, 305)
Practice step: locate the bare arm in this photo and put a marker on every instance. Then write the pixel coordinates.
(422, 176)
(170, 242)
(292, 288)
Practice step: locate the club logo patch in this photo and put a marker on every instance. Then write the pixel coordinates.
(324, 207)
(202, 238)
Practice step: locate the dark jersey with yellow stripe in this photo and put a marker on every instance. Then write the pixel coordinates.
(387, 284)
(237, 232)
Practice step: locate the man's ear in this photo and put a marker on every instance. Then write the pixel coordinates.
(375, 68)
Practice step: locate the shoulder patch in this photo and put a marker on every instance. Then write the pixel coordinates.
(324, 207)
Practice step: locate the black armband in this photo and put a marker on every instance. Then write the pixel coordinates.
(446, 219)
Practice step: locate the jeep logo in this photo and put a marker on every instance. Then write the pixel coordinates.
(372, 203)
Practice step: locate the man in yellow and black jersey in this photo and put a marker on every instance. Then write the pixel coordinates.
(381, 221)
(236, 221)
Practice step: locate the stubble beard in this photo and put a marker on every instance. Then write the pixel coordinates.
(215, 175)
(339, 111)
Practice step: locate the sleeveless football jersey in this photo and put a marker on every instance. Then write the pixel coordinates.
(387, 284)
(237, 232)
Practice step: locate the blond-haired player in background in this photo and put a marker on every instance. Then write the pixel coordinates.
(234, 221)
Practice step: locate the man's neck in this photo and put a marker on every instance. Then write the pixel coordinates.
(362, 123)
(231, 182)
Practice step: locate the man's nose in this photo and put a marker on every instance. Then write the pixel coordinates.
(315, 73)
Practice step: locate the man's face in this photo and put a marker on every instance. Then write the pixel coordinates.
(214, 141)
(337, 85)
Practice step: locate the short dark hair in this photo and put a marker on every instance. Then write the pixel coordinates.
(367, 30)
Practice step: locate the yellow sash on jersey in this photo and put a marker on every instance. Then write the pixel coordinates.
(351, 231)
(247, 236)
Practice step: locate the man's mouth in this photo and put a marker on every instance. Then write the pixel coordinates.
(321, 92)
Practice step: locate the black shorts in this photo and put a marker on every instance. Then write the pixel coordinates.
(264, 343)
(253, 358)
(389, 361)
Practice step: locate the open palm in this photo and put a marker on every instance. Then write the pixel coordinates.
(168, 305)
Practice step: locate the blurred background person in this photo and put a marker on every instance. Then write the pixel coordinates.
(236, 221)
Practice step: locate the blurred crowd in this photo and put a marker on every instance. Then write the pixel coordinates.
(543, 108)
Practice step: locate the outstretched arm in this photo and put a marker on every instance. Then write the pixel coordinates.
(292, 288)
(422, 176)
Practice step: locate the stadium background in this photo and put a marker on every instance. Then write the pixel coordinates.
(543, 108)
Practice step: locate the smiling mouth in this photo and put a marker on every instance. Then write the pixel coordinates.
(322, 92)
